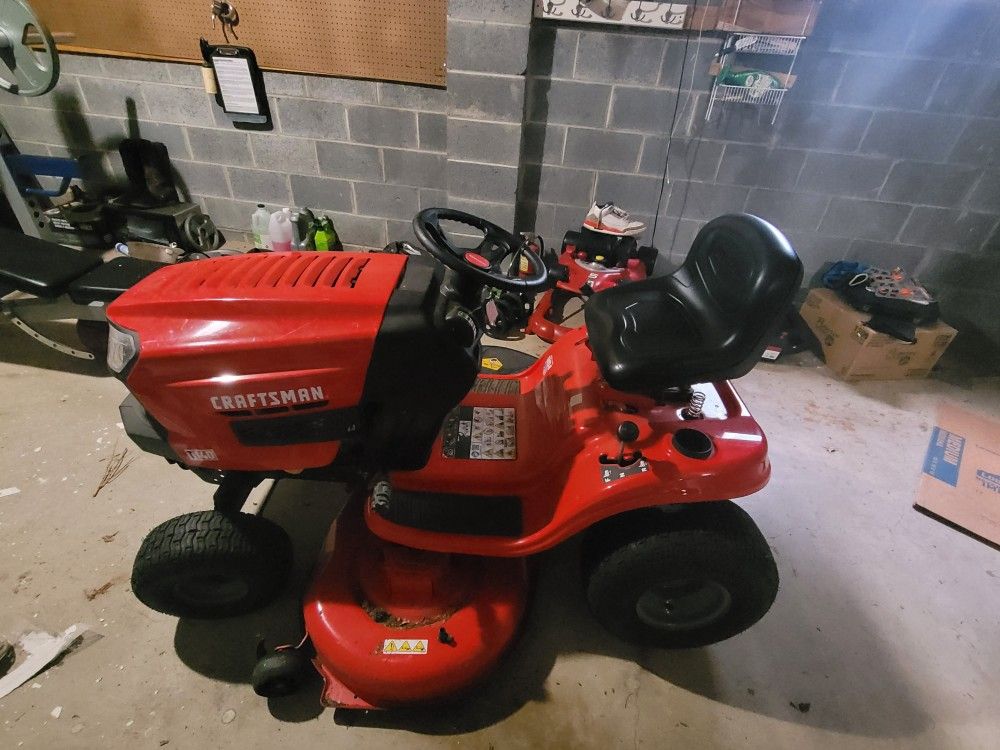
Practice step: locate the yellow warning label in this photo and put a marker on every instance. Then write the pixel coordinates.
(492, 363)
(404, 646)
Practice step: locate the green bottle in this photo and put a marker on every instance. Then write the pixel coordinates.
(334, 238)
(322, 238)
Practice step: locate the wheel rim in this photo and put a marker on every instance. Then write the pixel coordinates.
(211, 588)
(683, 605)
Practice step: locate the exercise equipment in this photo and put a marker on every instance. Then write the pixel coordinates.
(364, 369)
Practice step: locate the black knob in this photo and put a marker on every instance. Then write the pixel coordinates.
(628, 431)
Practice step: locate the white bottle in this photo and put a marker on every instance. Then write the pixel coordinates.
(259, 221)
(281, 230)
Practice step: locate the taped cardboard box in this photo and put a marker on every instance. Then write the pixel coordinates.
(960, 483)
(855, 352)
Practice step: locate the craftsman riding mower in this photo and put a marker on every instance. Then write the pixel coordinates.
(363, 369)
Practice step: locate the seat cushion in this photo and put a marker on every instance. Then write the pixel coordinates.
(109, 280)
(37, 267)
(709, 320)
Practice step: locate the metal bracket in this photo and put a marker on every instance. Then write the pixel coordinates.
(42, 339)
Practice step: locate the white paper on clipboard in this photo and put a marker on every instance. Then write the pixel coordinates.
(236, 85)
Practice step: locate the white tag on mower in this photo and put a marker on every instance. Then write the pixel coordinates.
(404, 647)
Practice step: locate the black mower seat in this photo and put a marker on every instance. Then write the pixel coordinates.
(110, 279)
(709, 320)
(37, 267)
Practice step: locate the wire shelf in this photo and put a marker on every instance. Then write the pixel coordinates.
(766, 44)
(748, 94)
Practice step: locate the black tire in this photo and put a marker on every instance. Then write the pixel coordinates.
(680, 579)
(279, 673)
(210, 564)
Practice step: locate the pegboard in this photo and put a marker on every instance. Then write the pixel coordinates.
(389, 40)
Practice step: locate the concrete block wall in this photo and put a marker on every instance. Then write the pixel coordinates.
(886, 150)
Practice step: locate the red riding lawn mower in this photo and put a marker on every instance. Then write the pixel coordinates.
(364, 369)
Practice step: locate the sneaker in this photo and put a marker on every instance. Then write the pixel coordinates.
(607, 218)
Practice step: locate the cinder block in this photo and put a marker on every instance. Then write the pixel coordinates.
(184, 75)
(673, 238)
(543, 143)
(986, 195)
(568, 102)
(500, 213)
(695, 64)
(284, 154)
(552, 50)
(322, 193)
(486, 97)
(346, 90)
(497, 143)
(416, 168)
(844, 174)
(550, 184)
(284, 84)
(967, 88)
(202, 179)
(637, 194)
(88, 65)
(228, 213)
(814, 250)
(178, 104)
(432, 131)
(413, 97)
(171, 136)
(689, 159)
(402, 231)
(311, 118)
(869, 220)
(912, 135)
(127, 69)
(386, 201)
(979, 144)
(219, 146)
(383, 126)
(350, 161)
(933, 184)
(948, 229)
(260, 186)
(702, 200)
(433, 198)
(738, 124)
(481, 182)
(611, 57)
(745, 164)
(821, 126)
(788, 210)
(602, 149)
(106, 97)
(648, 110)
(487, 47)
(500, 11)
(360, 232)
(900, 84)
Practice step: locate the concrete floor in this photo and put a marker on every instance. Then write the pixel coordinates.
(886, 623)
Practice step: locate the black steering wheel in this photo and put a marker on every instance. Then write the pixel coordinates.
(482, 263)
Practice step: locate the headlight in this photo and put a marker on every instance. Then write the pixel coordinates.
(123, 346)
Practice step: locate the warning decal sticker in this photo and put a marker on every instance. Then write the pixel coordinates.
(404, 647)
(481, 433)
(613, 472)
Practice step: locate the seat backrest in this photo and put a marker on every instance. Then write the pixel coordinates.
(739, 278)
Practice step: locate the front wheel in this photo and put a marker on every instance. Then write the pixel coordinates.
(680, 579)
(210, 564)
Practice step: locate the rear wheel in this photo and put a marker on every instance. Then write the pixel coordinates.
(210, 564)
(680, 579)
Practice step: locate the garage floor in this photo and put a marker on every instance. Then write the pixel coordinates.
(884, 633)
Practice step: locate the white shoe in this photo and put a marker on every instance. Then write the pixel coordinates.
(607, 218)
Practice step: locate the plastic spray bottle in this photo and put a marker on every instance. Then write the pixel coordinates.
(259, 224)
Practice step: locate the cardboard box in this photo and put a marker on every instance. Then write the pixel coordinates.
(794, 17)
(960, 483)
(856, 352)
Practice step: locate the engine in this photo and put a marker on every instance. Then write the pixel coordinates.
(288, 362)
